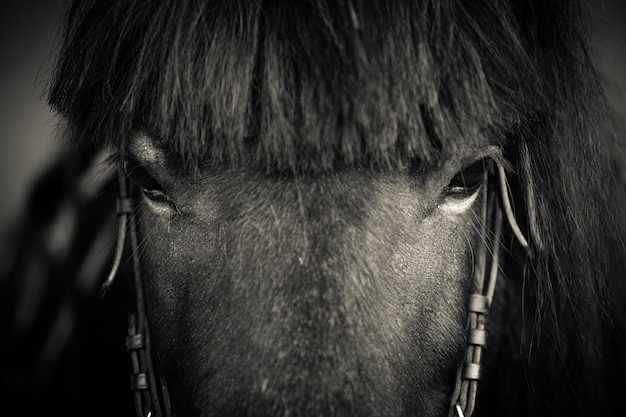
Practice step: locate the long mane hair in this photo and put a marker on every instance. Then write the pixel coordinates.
(315, 86)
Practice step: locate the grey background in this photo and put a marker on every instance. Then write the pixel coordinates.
(28, 30)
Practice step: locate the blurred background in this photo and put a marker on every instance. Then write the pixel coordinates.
(28, 31)
(61, 352)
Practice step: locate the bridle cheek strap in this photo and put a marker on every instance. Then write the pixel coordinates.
(463, 401)
(151, 400)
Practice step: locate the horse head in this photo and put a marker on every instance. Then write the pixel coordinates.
(320, 196)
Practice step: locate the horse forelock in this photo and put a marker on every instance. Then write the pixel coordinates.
(305, 85)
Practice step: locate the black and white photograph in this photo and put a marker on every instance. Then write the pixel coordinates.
(312, 208)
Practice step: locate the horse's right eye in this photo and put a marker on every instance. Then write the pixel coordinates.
(140, 176)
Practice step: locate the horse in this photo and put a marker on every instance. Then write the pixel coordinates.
(380, 208)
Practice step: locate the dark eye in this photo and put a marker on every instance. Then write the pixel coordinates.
(151, 188)
(468, 181)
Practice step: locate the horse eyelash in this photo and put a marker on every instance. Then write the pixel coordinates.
(458, 187)
(143, 179)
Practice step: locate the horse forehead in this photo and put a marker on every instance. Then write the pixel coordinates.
(349, 204)
(161, 152)
(377, 221)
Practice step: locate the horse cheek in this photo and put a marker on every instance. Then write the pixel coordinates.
(180, 297)
(433, 269)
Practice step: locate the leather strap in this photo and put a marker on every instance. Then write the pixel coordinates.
(151, 398)
(463, 400)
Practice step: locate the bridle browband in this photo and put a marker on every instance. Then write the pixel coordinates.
(150, 392)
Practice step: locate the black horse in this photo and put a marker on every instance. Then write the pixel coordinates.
(339, 208)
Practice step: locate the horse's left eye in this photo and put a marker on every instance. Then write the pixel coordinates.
(468, 181)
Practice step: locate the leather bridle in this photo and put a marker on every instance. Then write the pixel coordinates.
(463, 401)
(150, 392)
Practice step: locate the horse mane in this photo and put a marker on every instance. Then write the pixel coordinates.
(314, 83)
(311, 86)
